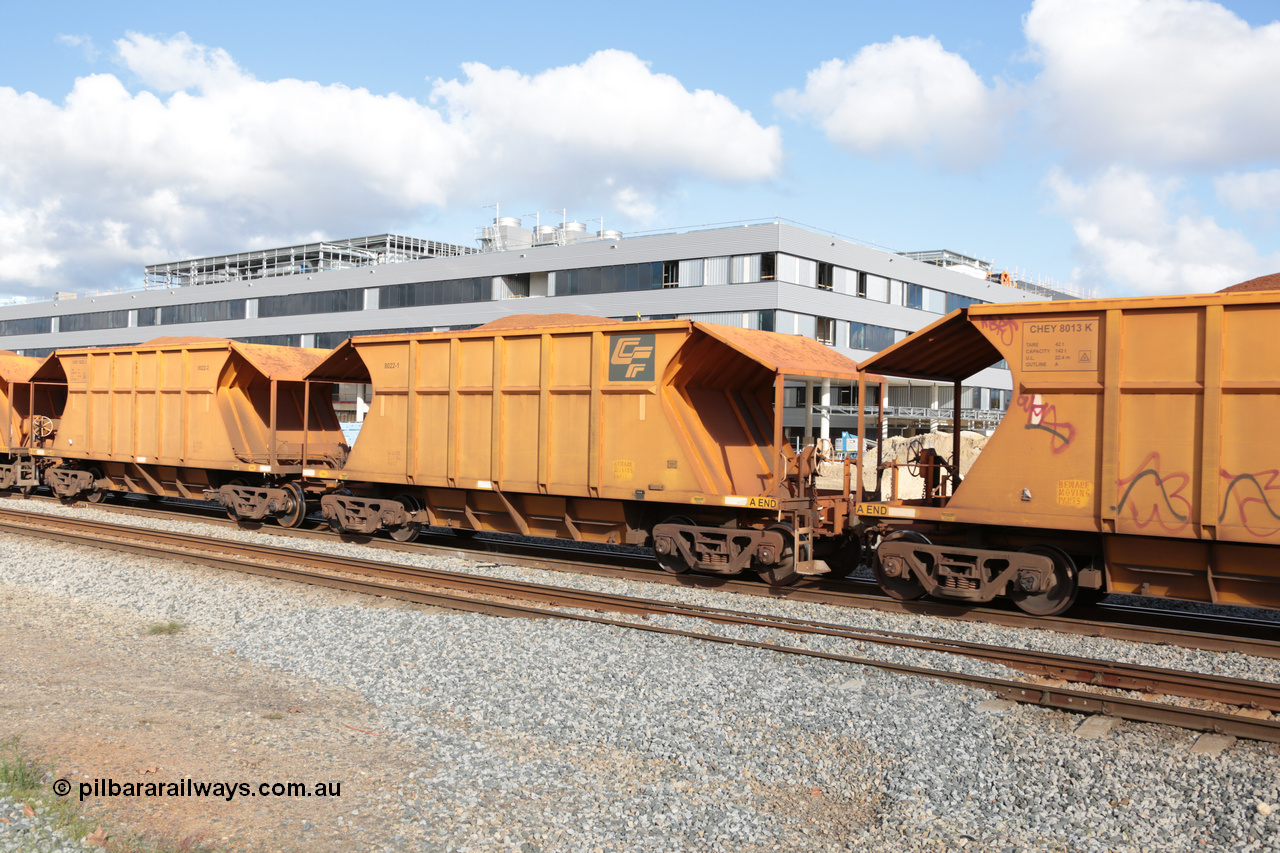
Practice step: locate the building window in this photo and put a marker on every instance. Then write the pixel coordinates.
(825, 331)
(768, 266)
(27, 326)
(623, 277)
(955, 300)
(513, 286)
(914, 296)
(873, 287)
(195, 312)
(274, 340)
(874, 338)
(332, 340)
(450, 292)
(94, 321)
(316, 302)
(670, 273)
(826, 276)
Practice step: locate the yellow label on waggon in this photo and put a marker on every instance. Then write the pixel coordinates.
(624, 469)
(1075, 493)
(886, 510)
(751, 503)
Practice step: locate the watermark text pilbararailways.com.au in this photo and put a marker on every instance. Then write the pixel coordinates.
(191, 788)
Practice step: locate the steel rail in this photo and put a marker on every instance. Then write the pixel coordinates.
(211, 552)
(1179, 629)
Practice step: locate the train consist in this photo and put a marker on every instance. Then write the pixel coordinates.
(664, 433)
(1138, 457)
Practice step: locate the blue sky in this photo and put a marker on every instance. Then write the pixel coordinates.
(1125, 146)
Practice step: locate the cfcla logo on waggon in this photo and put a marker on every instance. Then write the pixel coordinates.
(631, 358)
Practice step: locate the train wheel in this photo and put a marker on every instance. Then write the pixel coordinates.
(674, 563)
(231, 510)
(907, 587)
(783, 572)
(297, 513)
(96, 495)
(1062, 590)
(408, 531)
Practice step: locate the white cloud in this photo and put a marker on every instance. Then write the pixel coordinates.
(629, 202)
(909, 94)
(84, 43)
(219, 160)
(169, 65)
(1250, 191)
(1127, 236)
(1174, 82)
(609, 109)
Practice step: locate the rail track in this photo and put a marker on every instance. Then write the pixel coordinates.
(500, 597)
(1130, 623)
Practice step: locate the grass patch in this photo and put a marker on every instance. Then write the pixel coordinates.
(31, 781)
(274, 715)
(173, 626)
(27, 780)
(19, 774)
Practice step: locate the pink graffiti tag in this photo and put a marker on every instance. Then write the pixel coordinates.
(1166, 507)
(1250, 490)
(1005, 327)
(1045, 417)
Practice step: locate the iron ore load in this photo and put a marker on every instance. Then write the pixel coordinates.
(661, 433)
(1141, 456)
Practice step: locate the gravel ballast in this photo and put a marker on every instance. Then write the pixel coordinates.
(548, 735)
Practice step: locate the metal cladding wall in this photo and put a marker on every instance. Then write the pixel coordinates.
(1151, 421)
(190, 403)
(668, 411)
(687, 246)
(17, 398)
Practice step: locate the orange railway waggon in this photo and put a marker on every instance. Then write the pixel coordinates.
(663, 433)
(1140, 456)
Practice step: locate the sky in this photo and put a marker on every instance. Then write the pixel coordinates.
(1121, 147)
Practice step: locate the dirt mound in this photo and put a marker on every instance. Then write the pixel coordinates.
(1265, 282)
(896, 449)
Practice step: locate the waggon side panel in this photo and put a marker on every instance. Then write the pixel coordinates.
(1166, 435)
(1041, 466)
(198, 403)
(1246, 502)
(145, 407)
(535, 434)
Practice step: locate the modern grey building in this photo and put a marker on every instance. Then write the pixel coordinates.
(773, 275)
